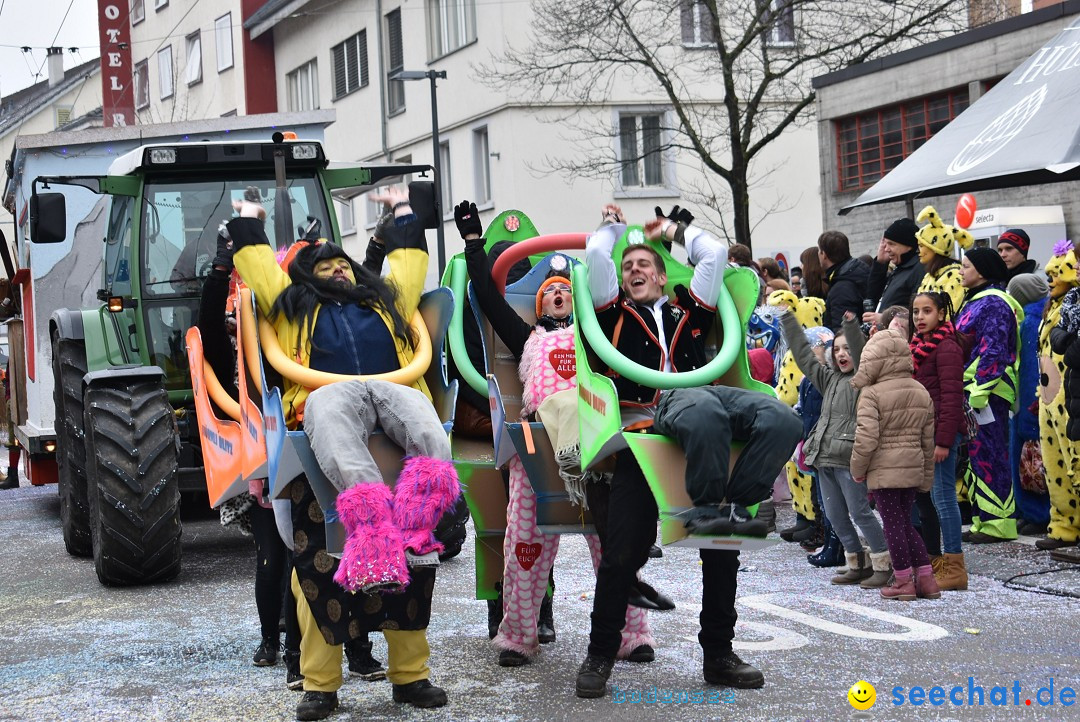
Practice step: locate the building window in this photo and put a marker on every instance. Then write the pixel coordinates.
(137, 11)
(447, 195)
(779, 19)
(165, 71)
(697, 24)
(193, 69)
(350, 64)
(641, 162)
(395, 95)
(142, 84)
(346, 219)
(451, 25)
(481, 165)
(871, 144)
(223, 41)
(303, 87)
(63, 115)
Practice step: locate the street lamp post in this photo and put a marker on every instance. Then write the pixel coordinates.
(432, 75)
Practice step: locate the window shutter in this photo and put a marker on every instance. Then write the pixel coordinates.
(393, 30)
(341, 82)
(361, 52)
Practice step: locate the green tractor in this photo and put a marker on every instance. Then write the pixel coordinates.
(126, 437)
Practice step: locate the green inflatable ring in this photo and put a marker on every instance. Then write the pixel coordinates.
(459, 282)
(585, 318)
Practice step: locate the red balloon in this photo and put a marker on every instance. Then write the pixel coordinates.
(965, 210)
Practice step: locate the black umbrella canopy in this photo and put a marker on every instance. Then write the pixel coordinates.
(1025, 130)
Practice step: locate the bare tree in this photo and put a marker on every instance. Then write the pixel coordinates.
(730, 76)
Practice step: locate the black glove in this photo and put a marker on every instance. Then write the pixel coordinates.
(677, 215)
(383, 225)
(224, 254)
(467, 219)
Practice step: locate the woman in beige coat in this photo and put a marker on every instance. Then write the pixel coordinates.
(894, 455)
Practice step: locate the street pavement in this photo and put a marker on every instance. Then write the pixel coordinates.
(71, 649)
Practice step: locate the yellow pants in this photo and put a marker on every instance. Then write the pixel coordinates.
(1061, 465)
(320, 663)
(802, 494)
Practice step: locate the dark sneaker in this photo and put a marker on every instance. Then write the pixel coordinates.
(510, 658)
(267, 653)
(642, 655)
(361, 663)
(592, 677)
(656, 552)
(316, 705)
(421, 693)
(294, 680)
(545, 623)
(730, 671)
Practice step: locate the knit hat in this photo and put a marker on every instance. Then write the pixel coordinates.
(939, 236)
(818, 336)
(1028, 287)
(1017, 238)
(903, 231)
(540, 293)
(988, 263)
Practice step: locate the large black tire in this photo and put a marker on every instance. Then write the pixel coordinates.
(69, 367)
(133, 454)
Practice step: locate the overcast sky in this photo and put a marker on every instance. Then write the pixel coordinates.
(35, 23)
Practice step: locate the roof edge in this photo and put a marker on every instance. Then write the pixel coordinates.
(960, 40)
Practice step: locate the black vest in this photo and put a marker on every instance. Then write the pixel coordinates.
(633, 332)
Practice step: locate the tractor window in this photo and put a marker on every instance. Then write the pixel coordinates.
(180, 222)
(118, 247)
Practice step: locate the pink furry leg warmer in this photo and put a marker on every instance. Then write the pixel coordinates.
(426, 489)
(373, 558)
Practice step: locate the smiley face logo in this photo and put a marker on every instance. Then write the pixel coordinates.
(862, 695)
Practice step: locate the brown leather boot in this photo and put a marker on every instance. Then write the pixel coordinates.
(953, 576)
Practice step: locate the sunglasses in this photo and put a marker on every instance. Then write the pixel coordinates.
(556, 287)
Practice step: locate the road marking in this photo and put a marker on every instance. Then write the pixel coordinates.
(916, 631)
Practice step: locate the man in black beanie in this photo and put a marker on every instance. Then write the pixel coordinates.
(1013, 246)
(897, 287)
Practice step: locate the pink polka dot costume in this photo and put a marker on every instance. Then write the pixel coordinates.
(547, 367)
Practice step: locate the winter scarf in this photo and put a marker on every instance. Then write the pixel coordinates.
(922, 345)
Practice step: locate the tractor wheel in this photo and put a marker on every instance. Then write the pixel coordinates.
(69, 367)
(132, 456)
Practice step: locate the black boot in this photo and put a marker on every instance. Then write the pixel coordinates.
(592, 676)
(420, 694)
(361, 663)
(831, 555)
(316, 705)
(545, 624)
(801, 523)
(294, 680)
(729, 671)
(495, 615)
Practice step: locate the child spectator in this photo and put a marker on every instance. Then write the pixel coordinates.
(828, 449)
(939, 366)
(894, 455)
